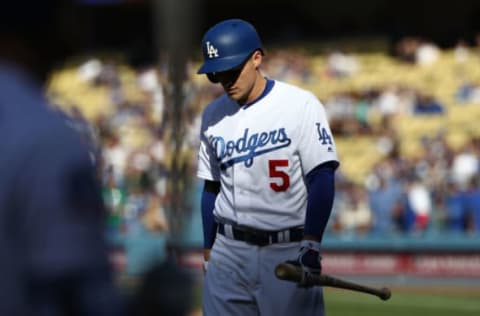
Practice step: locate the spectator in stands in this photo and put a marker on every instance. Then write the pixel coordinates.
(150, 83)
(456, 215)
(137, 202)
(428, 105)
(114, 156)
(109, 76)
(388, 101)
(363, 102)
(385, 197)
(473, 206)
(477, 43)
(461, 51)
(465, 165)
(427, 53)
(419, 203)
(388, 142)
(341, 64)
(354, 215)
(468, 92)
(406, 49)
(340, 109)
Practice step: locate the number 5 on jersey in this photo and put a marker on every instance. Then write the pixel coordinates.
(274, 167)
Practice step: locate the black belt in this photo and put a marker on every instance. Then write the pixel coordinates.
(260, 237)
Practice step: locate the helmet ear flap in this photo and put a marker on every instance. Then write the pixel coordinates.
(212, 77)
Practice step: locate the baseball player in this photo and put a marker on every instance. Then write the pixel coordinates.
(268, 158)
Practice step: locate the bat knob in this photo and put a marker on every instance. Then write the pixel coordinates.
(280, 272)
(385, 293)
(288, 272)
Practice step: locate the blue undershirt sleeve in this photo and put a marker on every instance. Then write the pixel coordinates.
(208, 220)
(321, 192)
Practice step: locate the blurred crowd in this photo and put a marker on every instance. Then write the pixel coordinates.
(125, 114)
(437, 192)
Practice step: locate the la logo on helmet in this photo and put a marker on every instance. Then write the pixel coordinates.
(211, 50)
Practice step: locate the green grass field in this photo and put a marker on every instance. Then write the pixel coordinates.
(404, 302)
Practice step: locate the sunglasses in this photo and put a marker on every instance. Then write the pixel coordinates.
(227, 75)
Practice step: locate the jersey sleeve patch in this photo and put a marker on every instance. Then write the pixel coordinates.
(324, 137)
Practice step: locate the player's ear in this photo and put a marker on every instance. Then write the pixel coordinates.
(257, 58)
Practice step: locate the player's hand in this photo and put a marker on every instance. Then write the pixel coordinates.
(309, 260)
(205, 267)
(206, 257)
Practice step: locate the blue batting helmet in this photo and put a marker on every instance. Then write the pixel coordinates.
(227, 45)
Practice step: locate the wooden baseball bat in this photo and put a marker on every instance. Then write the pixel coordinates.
(289, 272)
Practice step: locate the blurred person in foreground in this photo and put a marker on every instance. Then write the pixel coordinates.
(54, 256)
(165, 289)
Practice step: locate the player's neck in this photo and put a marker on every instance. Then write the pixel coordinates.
(257, 90)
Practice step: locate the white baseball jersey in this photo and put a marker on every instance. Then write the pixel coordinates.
(261, 154)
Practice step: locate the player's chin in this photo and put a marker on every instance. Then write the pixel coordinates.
(234, 95)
